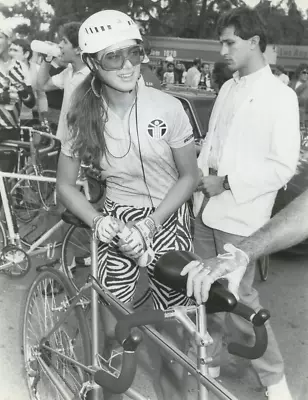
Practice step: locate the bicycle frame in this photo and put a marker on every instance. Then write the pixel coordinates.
(12, 228)
(199, 331)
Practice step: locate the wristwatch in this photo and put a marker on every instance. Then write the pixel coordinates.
(225, 183)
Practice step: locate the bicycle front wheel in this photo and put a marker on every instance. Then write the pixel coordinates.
(47, 302)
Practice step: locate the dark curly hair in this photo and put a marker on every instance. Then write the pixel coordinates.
(247, 23)
(299, 69)
(70, 31)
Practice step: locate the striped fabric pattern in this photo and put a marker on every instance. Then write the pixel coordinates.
(10, 118)
(119, 274)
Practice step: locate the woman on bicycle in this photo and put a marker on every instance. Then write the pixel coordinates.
(142, 140)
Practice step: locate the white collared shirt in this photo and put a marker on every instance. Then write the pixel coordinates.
(67, 80)
(239, 91)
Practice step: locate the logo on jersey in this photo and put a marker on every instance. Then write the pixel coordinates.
(157, 128)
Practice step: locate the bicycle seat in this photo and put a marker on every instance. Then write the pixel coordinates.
(71, 219)
(167, 271)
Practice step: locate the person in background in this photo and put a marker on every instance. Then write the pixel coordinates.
(169, 76)
(205, 77)
(238, 185)
(70, 77)
(194, 74)
(178, 72)
(281, 75)
(149, 77)
(300, 86)
(163, 67)
(20, 50)
(221, 74)
(184, 74)
(15, 90)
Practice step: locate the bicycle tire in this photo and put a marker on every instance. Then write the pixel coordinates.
(47, 298)
(35, 207)
(76, 244)
(263, 266)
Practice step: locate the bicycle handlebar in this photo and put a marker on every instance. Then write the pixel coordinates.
(258, 320)
(130, 338)
(26, 145)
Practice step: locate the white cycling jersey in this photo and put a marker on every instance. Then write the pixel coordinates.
(138, 166)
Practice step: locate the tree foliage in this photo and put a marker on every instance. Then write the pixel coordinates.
(183, 18)
(30, 10)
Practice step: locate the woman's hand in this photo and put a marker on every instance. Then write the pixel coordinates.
(137, 237)
(106, 228)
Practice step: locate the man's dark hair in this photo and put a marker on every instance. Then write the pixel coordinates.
(197, 61)
(300, 68)
(70, 31)
(247, 23)
(25, 45)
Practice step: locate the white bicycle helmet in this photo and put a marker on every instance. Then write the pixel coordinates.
(106, 28)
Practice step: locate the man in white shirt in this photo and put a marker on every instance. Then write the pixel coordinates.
(279, 72)
(69, 78)
(193, 74)
(243, 163)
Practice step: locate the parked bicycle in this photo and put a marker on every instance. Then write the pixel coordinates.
(15, 247)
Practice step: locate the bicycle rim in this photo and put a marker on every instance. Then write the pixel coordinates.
(47, 299)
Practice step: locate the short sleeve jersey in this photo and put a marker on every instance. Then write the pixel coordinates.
(67, 80)
(138, 166)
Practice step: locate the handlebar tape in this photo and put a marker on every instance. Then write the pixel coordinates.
(124, 325)
(123, 382)
(129, 338)
(257, 320)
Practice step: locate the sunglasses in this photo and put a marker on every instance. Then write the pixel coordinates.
(304, 72)
(115, 60)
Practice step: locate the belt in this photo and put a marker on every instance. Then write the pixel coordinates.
(213, 171)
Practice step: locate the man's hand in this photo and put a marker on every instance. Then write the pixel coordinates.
(211, 185)
(201, 275)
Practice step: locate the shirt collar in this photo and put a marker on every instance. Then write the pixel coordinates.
(84, 71)
(247, 79)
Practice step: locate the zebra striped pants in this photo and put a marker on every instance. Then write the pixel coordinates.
(119, 274)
